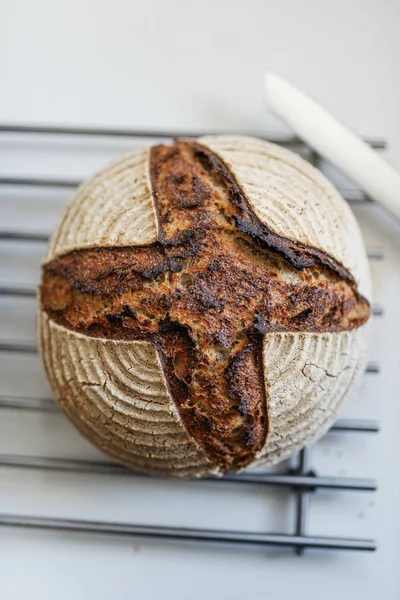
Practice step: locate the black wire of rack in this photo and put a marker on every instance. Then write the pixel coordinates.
(301, 480)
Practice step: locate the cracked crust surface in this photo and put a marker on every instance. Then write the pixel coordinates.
(116, 394)
(320, 370)
(216, 291)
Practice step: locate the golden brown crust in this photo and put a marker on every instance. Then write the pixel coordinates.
(216, 281)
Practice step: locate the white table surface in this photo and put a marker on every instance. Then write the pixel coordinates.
(181, 65)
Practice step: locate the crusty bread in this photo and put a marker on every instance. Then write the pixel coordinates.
(203, 306)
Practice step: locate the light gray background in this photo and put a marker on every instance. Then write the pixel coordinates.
(196, 65)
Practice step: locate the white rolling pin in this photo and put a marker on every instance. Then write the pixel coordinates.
(335, 142)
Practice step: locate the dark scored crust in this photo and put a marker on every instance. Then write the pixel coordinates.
(299, 255)
(205, 293)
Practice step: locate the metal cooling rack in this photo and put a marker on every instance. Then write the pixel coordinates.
(301, 480)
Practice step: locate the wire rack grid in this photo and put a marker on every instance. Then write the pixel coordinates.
(300, 479)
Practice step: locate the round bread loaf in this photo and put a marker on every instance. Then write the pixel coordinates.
(203, 306)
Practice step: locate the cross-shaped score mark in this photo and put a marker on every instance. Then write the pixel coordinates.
(206, 293)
